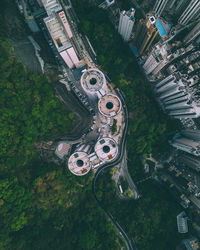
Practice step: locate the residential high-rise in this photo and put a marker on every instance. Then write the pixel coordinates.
(190, 12)
(177, 99)
(146, 34)
(126, 23)
(188, 143)
(192, 243)
(190, 161)
(160, 6)
(193, 34)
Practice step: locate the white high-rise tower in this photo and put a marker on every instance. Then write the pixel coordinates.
(191, 11)
(126, 23)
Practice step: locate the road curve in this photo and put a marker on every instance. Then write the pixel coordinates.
(129, 242)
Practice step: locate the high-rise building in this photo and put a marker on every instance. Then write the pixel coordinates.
(190, 12)
(187, 143)
(193, 34)
(177, 99)
(146, 34)
(104, 3)
(190, 161)
(126, 23)
(51, 6)
(192, 243)
(156, 60)
(182, 222)
(160, 6)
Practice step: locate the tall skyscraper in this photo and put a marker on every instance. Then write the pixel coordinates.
(190, 12)
(159, 6)
(126, 23)
(187, 143)
(146, 35)
(175, 97)
(193, 34)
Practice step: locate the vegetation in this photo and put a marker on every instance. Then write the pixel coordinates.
(151, 219)
(42, 206)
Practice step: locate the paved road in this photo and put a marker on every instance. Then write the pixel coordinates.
(129, 242)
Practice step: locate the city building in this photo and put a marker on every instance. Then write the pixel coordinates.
(109, 105)
(182, 222)
(193, 34)
(104, 3)
(190, 161)
(177, 97)
(191, 12)
(191, 243)
(177, 194)
(126, 23)
(62, 149)
(157, 59)
(79, 162)
(106, 149)
(183, 11)
(186, 143)
(93, 80)
(51, 6)
(61, 35)
(149, 32)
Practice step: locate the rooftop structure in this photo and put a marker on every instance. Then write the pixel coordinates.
(149, 31)
(177, 98)
(92, 80)
(192, 243)
(55, 28)
(61, 35)
(62, 149)
(126, 23)
(104, 3)
(79, 163)
(182, 223)
(109, 105)
(106, 149)
(51, 6)
(186, 143)
(190, 161)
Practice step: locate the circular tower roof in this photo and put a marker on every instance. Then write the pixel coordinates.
(106, 149)
(92, 80)
(79, 163)
(109, 105)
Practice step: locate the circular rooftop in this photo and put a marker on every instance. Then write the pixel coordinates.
(62, 149)
(92, 80)
(106, 149)
(109, 105)
(79, 163)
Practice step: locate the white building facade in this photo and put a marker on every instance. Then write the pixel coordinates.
(126, 23)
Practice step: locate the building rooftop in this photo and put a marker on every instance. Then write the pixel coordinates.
(56, 30)
(106, 149)
(79, 163)
(62, 149)
(109, 105)
(92, 80)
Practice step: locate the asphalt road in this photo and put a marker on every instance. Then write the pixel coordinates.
(129, 242)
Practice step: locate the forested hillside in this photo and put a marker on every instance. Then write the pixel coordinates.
(42, 206)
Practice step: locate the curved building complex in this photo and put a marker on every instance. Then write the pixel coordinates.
(109, 105)
(79, 163)
(106, 149)
(92, 80)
